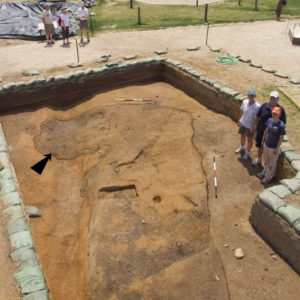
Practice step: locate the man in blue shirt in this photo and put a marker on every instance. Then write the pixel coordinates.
(272, 139)
(263, 115)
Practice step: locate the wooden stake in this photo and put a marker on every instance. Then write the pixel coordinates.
(139, 16)
(77, 51)
(205, 13)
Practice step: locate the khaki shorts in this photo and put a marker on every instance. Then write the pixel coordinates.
(83, 24)
(49, 29)
(245, 130)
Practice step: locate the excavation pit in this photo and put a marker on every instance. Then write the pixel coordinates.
(102, 234)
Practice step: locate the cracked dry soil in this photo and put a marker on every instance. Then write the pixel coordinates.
(163, 239)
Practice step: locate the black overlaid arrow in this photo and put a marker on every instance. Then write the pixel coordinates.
(39, 167)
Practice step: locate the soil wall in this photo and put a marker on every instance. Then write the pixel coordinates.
(277, 232)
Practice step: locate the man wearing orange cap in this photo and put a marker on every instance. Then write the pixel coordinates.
(272, 139)
(263, 115)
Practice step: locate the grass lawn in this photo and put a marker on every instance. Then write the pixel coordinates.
(117, 15)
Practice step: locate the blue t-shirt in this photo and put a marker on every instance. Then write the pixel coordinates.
(265, 113)
(275, 130)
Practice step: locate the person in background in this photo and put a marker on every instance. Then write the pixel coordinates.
(280, 4)
(82, 14)
(272, 139)
(48, 24)
(263, 115)
(65, 26)
(248, 112)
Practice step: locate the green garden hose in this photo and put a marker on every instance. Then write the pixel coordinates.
(227, 60)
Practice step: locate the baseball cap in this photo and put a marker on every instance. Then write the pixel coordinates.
(82, 4)
(47, 4)
(252, 92)
(276, 110)
(64, 9)
(274, 94)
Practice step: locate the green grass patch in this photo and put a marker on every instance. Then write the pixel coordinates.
(117, 14)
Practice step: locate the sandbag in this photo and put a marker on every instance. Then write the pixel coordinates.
(296, 226)
(17, 225)
(292, 184)
(6, 174)
(8, 186)
(25, 256)
(13, 212)
(289, 213)
(271, 200)
(279, 190)
(39, 295)
(11, 199)
(21, 239)
(30, 280)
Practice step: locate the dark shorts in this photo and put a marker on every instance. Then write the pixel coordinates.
(83, 24)
(245, 130)
(65, 32)
(49, 29)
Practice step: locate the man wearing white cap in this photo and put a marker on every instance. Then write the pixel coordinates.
(263, 115)
(82, 15)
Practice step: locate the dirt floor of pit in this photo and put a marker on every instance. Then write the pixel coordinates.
(120, 245)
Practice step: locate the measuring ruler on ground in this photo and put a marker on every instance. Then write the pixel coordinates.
(215, 177)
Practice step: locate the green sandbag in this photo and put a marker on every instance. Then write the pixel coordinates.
(17, 225)
(4, 159)
(30, 280)
(11, 199)
(296, 165)
(13, 212)
(290, 213)
(8, 186)
(291, 156)
(39, 295)
(21, 239)
(296, 226)
(25, 256)
(6, 174)
(286, 146)
(292, 184)
(271, 200)
(280, 190)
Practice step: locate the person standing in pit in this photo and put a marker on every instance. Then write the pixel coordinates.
(48, 24)
(65, 26)
(248, 112)
(263, 115)
(280, 4)
(272, 139)
(82, 14)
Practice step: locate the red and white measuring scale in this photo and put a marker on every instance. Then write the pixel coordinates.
(215, 177)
